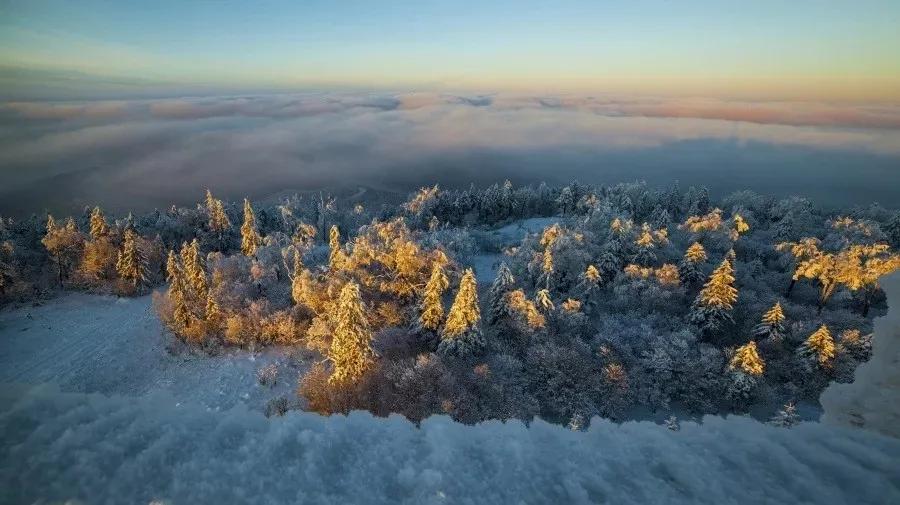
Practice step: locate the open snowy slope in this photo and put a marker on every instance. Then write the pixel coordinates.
(109, 345)
(70, 446)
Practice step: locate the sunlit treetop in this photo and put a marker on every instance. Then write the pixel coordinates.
(695, 253)
(708, 222)
(746, 359)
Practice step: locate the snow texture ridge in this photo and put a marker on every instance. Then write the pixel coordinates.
(59, 446)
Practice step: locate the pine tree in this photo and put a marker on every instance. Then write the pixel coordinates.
(589, 284)
(351, 351)
(250, 239)
(99, 228)
(819, 347)
(461, 335)
(542, 299)
(772, 324)
(218, 219)
(712, 308)
(690, 269)
(173, 269)
(432, 308)
(786, 417)
(131, 264)
(180, 311)
(746, 359)
(212, 312)
(503, 284)
(336, 256)
(195, 275)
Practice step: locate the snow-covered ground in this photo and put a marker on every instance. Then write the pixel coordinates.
(100, 344)
(97, 449)
(485, 265)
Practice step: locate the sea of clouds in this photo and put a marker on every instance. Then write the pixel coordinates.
(147, 153)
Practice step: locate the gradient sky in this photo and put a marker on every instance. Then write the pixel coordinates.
(802, 49)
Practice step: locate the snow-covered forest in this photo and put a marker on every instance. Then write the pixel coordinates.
(562, 303)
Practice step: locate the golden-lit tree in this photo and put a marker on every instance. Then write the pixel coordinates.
(667, 275)
(173, 268)
(542, 299)
(461, 335)
(746, 359)
(819, 347)
(860, 267)
(740, 227)
(690, 269)
(772, 324)
(250, 238)
(212, 312)
(713, 305)
(181, 313)
(99, 257)
(571, 305)
(64, 243)
(194, 273)
(519, 305)
(131, 264)
(336, 256)
(351, 351)
(704, 223)
(99, 227)
(422, 199)
(432, 307)
(218, 222)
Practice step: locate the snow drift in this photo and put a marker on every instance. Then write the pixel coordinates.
(71, 446)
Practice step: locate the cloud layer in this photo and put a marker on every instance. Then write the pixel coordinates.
(147, 153)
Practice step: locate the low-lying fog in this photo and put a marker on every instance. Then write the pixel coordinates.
(140, 154)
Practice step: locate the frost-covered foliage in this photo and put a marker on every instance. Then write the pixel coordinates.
(77, 448)
(626, 299)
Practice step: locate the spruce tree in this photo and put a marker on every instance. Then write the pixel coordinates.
(746, 359)
(336, 256)
(786, 417)
(819, 348)
(173, 269)
(712, 308)
(99, 227)
(351, 351)
(462, 335)
(690, 269)
(250, 238)
(542, 299)
(432, 308)
(219, 223)
(503, 284)
(772, 325)
(131, 264)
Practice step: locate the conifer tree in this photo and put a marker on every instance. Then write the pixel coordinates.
(746, 359)
(99, 227)
(542, 299)
(131, 264)
(461, 335)
(772, 324)
(173, 269)
(64, 243)
(250, 238)
(195, 275)
(218, 218)
(786, 417)
(432, 308)
(212, 312)
(351, 351)
(181, 312)
(336, 256)
(819, 347)
(502, 285)
(690, 269)
(712, 308)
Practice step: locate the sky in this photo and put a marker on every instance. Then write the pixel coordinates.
(804, 49)
(134, 105)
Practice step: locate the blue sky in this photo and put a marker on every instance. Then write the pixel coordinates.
(821, 49)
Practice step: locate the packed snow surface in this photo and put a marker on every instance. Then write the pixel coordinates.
(130, 422)
(98, 344)
(98, 449)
